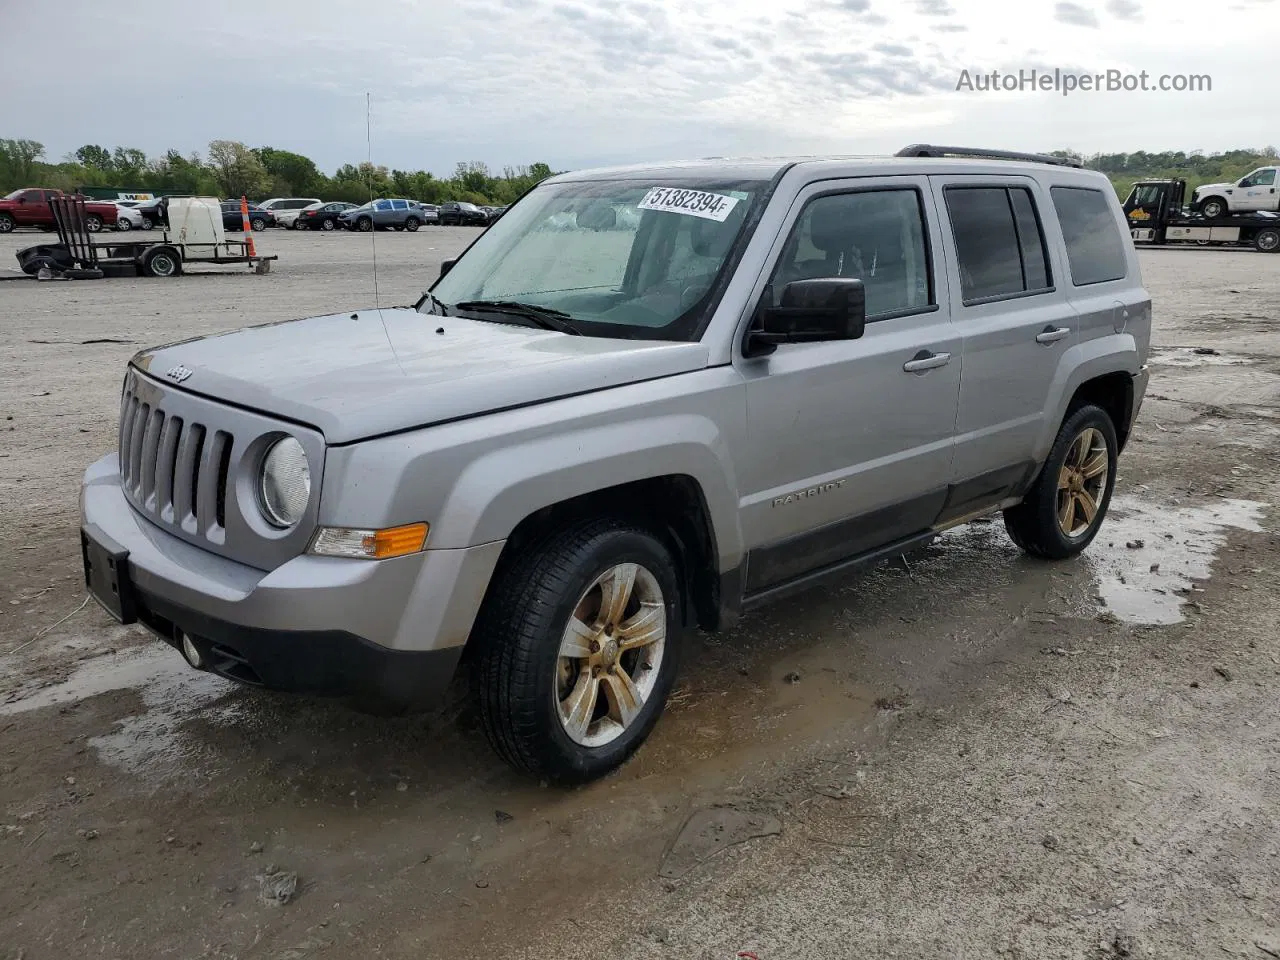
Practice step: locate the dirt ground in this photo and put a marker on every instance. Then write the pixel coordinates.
(967, 754)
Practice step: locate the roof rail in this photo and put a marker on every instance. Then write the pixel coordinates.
(932, 150)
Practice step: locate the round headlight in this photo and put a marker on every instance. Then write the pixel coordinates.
(285, 486)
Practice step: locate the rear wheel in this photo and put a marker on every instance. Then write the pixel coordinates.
(146, 223)
(92, 222)
(161, 262)
(578, 648)
(1267, 241)
(1065, 507)
(124, 224)
(258, 223)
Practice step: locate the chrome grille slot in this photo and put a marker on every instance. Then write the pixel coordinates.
(140, 415)
(166, 467)
(150, 445)
(188, 482)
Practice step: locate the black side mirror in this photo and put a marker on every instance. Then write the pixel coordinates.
(811, 310)
(22, 199)
(447, 265)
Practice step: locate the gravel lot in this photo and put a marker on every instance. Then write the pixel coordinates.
(968, 754)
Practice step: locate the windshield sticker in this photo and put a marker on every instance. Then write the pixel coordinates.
(693, 203)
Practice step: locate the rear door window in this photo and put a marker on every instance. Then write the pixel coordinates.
(999, 242)
(1095, 248)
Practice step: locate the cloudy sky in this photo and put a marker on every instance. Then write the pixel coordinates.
(586, 82)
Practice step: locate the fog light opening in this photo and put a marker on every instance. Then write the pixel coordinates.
(191, 652)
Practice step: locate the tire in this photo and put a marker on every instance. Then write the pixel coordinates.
(258, 224)
(92, 222)
(1214, 207)
(147, 223)
(1267, 240)
(412, 224)
(328, 223)
(1036, 524)
(86, 273)
(161, 262)
(123, 225)
(6, 223)
(364, 224)
(520, 678)
(31, 265)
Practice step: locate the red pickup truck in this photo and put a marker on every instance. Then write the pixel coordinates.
(29, 207)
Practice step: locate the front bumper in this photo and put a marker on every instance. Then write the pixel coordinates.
(389, 631)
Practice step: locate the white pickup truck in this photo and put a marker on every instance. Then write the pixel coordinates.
(1252, 192)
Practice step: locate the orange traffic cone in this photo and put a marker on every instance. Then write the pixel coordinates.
(244, 225)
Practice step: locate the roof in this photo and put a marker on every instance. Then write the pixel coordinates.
(765, 168)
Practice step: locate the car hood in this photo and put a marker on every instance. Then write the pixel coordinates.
(359, 375)
(1206, 188)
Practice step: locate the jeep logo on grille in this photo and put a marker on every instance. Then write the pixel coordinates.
(178, 373)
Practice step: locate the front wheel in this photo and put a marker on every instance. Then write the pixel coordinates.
(6, 223)
(1065, 507)
(412, 224)
(364, 224)
(1214, 207)
(328, 223)
(147, 224)
(578, 649)
(124, 225)
(258, 224)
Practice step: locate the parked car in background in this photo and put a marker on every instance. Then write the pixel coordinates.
(285, 209)
(493, 213)
(233, 216)
(29, 207)
(129, 217)
(394, 214)
(458, 214)
(321, 216)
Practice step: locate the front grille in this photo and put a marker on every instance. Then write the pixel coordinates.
(173, 470)
(188, 463)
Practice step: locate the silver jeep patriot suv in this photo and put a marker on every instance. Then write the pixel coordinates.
(644, 400)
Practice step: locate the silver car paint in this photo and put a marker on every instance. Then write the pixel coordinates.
(475, 429)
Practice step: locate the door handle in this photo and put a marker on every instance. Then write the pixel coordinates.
(1052, 334)
(924, 361)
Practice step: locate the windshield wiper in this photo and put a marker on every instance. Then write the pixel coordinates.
(544, 317)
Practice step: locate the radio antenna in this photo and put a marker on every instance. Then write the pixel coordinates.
(373, 226)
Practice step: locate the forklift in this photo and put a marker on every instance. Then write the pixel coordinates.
(1158, 216)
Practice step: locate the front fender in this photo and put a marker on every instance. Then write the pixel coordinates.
(498, 490)
(1116, 353)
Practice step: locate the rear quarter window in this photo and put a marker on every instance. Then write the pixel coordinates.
(1095, 248)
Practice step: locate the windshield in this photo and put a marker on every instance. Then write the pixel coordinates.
(15, 195)
(621, 258)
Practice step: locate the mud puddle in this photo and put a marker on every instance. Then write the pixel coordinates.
(1197, 357)
(1147, 557)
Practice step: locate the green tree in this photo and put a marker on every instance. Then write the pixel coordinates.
(237, 170)
(18, 162)
(292, 172)
(129, 164)
(94, 156)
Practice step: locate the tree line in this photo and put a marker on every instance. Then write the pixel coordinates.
(232, 169)
(1195, 166)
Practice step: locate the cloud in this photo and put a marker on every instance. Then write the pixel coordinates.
(1125, 9)
(1075, 15)
(583, 82)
